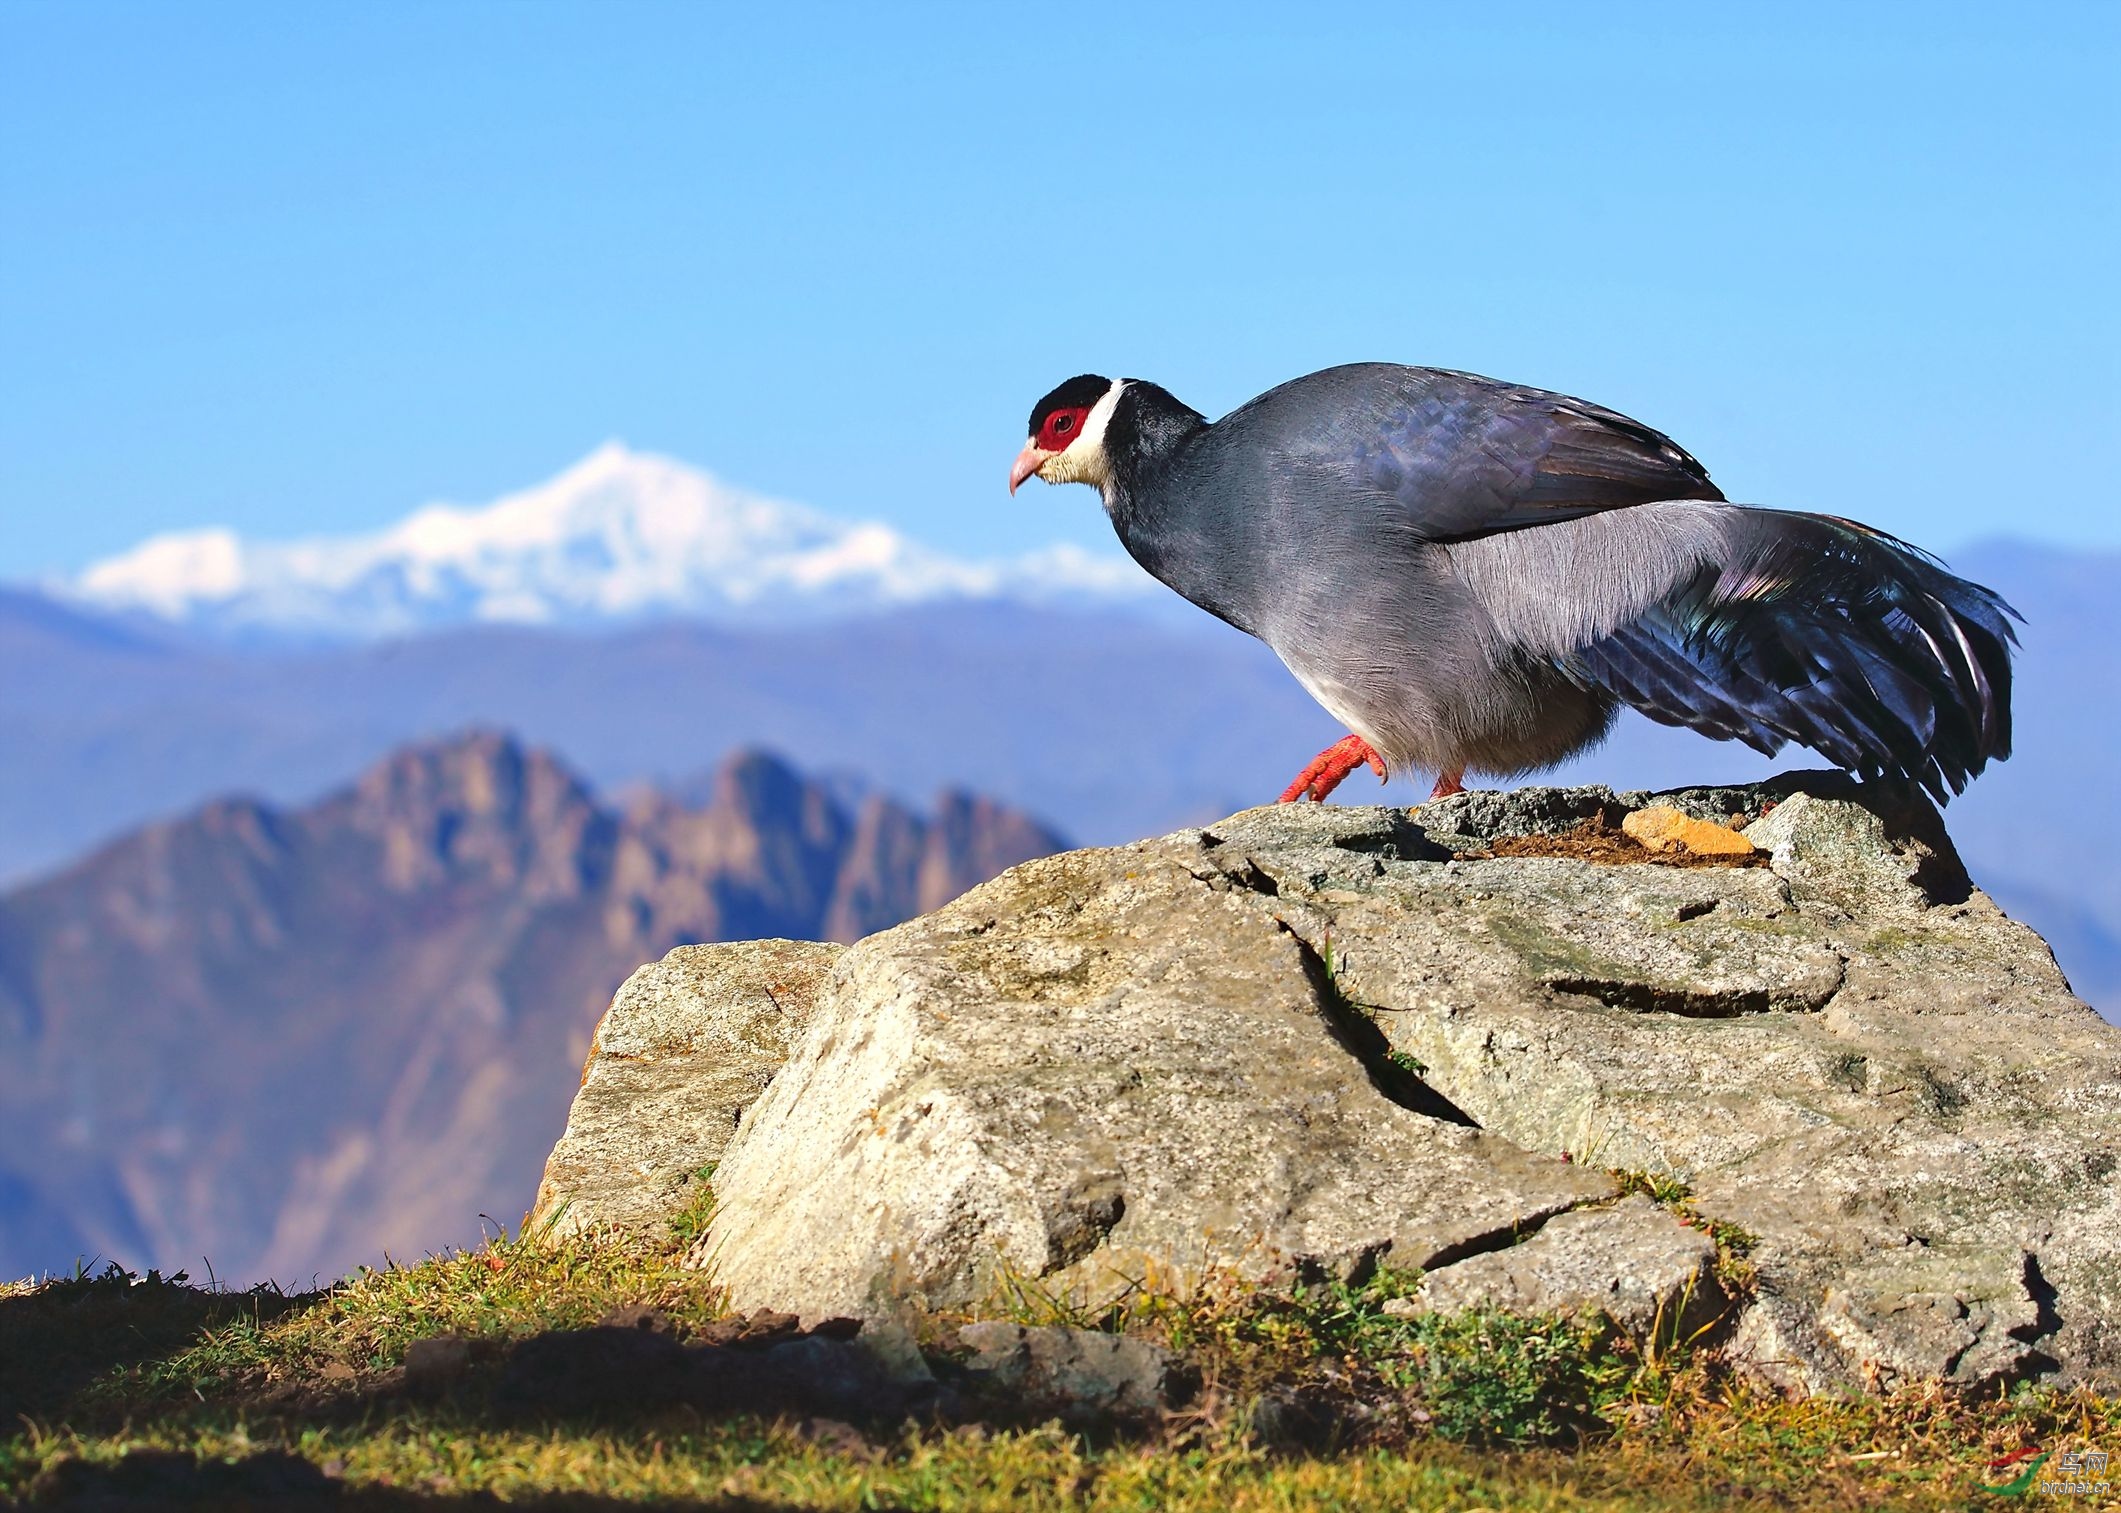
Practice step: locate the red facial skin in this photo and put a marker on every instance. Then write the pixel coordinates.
(1060, 428)
(1055, 432)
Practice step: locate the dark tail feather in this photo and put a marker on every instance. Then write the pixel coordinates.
(1825, 632)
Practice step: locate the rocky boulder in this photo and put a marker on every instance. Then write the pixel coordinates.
(1312, 1040)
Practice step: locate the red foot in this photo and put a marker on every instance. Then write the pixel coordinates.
(1448, 783)
(1330, 766)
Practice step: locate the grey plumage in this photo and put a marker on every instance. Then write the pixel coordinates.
(1475, 575)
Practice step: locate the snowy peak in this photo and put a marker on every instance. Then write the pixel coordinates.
(621, 534)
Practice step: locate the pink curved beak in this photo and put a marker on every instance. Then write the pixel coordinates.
(1028, 461)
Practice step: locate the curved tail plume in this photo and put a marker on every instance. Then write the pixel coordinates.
(1825, 632)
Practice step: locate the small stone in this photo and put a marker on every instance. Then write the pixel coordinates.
(593, 1370)
(1299, 1420)
(640, 1316)
(1663, 828)
(1866, 860)
(430, 1363)
(835, 1437)
(1080, 1374)
(763, 1327)
(769, 1324)
(814, 1376)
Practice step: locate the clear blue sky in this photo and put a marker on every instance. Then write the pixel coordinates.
(297, 268)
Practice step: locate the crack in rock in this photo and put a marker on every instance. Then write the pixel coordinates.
(1503, 1238)
(1354, 1032)
(1696, 1003)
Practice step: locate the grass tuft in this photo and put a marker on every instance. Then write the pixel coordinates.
(247, 1342)
(697, 1211)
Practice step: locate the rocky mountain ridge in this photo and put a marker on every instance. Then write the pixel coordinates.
(287, 1041)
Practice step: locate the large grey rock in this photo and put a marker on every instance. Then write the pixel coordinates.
(1311, 1038)
(687, 1043)
(1103, 1065)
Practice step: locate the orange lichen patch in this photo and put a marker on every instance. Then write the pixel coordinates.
(1592, 841)
(1663, 828)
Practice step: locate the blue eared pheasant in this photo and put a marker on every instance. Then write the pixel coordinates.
(1473, 576)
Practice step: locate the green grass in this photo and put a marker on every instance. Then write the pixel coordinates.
(693, 1216)
(99, 1373)
(1667, 1188)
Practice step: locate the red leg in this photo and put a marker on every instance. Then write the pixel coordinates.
(1448, 783)
(1330, 766)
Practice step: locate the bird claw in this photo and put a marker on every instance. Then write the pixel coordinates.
(1330, 766)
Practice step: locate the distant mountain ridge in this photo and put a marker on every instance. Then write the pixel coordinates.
(287, 1039)
(619, 536)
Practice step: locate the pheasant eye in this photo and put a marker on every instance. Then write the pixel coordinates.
(1063, 424)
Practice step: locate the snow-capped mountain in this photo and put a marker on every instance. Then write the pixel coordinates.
(620, 535)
